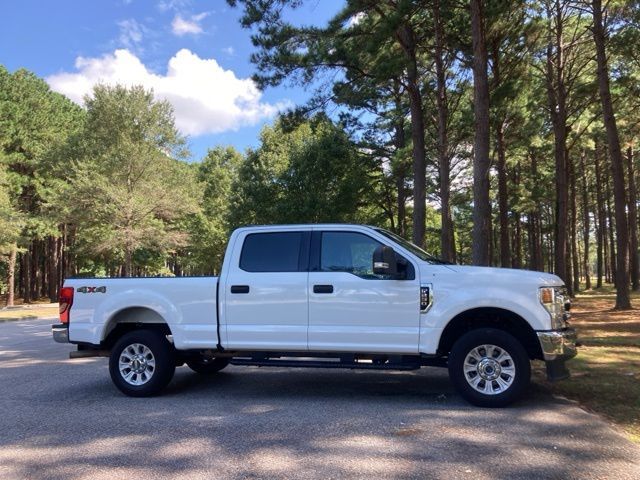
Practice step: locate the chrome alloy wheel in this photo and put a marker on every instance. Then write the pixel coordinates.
(489, 369)
(137, 364)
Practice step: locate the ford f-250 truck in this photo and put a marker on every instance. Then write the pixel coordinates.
(325, 296)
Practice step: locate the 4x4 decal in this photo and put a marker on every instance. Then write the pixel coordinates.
(91, 290)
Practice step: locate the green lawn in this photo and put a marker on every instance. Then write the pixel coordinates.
(606, 372)
(35, 310)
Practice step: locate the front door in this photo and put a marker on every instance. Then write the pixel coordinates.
(354, 310)
(266, 302)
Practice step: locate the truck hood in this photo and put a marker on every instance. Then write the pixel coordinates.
(503, 275)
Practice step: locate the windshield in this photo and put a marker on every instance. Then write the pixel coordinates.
(417, 251)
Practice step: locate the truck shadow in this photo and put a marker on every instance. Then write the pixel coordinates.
(291, 383)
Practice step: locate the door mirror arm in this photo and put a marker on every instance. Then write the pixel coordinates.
(402, 268)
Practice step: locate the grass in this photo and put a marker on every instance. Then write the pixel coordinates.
(606, 372)
(25, 312)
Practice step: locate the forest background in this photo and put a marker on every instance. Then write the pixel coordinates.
(490, 132)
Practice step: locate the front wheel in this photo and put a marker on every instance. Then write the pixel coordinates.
(489, 367)
(142, 363)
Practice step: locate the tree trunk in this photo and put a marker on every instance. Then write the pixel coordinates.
(575, 269)
(585, 222)
(11, 275)
(400, 143)
(61, 255)
(600, 237)
(407, 40)
(25, 269)
(551, 237)
(401, 205)
(557, 99)
(536, 262)
(401, 202)
(611, 259)
(569, 283)
(633, 224)
(127, 268)
(44, 271)
(516, 257)
(52, 267)
(623, 300)
(446, 233)
(503, 197)
(34, 251)
(501, 165)
(561, 208)
(481, 161)
(550, 248)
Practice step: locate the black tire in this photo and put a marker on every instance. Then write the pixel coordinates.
(152, 380)
(207, 365)
(506, 388)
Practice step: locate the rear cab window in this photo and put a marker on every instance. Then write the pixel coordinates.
(275, 252)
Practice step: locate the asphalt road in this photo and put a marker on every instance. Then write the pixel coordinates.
(64, 419)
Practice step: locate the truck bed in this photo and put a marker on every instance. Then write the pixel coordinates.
(187, 303)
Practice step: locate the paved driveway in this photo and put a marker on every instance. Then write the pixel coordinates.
(63, 419)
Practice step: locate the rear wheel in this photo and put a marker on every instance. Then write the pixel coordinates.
(207, 365)
(489, 367)
(142, 363)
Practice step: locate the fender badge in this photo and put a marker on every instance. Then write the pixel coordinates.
(91, 290)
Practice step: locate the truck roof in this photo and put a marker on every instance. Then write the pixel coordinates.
(307, 225)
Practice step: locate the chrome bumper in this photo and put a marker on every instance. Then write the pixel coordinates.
(60, 333)
(558, 344)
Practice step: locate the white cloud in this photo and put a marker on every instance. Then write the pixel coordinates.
(165, 5)
(199, 16)
(181, 26)
(206, 98)
(131, 34)
(229, 50)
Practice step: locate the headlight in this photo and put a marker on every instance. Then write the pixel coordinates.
(553, 299)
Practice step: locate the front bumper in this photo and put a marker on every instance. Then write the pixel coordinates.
(558, 344)
(557, 347)
(60, 333)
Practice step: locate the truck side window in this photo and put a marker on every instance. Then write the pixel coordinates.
(348, 252)
(271, 252)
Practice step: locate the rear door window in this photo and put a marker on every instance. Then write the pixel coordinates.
(271, 252)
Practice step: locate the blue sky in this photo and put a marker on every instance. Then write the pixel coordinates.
(193, 53)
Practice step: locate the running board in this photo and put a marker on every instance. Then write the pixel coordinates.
(323, 364)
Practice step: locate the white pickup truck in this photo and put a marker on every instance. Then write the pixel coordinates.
(325, 296)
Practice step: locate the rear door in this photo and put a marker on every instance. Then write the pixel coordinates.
(266, 298)
(351, 308)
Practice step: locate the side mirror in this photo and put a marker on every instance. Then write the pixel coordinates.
(385, 261)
